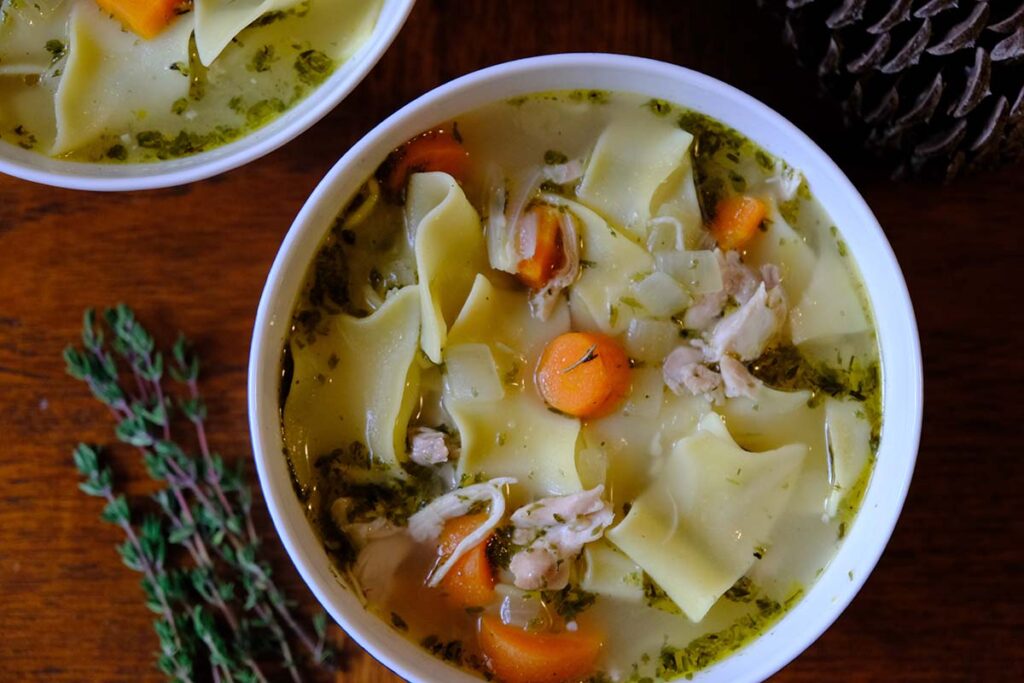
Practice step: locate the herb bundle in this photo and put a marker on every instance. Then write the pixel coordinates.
(220, 615)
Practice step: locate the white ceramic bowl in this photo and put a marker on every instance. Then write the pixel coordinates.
(894, 316)
(38, 168)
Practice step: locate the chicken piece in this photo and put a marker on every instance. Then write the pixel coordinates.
(544, 300)
(749, 329)
(739, 283)
(705, 310)
(428, 446)
(427, 523)
(360, 533)
(552, 532)
(539, 568)
(684, 371)
(737, 379)
(771, 275)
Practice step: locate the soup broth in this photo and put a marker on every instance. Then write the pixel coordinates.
(80, 83)
(582, 384)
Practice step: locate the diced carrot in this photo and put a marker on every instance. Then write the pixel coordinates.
(146, 18)
(519, 656)
(540, 225)
(435, 150)
(470, 582)
(583, 374)
(736, 221)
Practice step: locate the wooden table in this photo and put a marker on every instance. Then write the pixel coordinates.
(944, 603)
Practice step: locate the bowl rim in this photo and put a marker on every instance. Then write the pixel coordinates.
(78, 175)
(897, 336)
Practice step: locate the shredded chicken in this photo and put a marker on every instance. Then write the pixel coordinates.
(771, 275)
(749, 329)
(427, 523)
(360, 533)
(683, 371)
(428, 446)
(738, 281)
(543, 302)
(705, 310)
(736, 379)
(552, 532)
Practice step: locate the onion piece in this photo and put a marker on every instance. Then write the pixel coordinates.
(564, 173)
(661, 294)
(651, 340)
(472, 373)
(665, 233)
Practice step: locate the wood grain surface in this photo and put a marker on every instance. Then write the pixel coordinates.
(944, 603)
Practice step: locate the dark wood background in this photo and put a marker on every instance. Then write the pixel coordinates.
(944, 604)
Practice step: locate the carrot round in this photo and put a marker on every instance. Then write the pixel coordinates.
(470, 582)
(540, 225)
(583, 374)
(736, 221)
(146, 18)
(435, 150)
(519, 656)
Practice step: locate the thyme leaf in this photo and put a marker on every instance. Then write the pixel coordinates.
(219, 611)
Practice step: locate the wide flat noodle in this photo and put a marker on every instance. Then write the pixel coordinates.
(828, 306)
(695, 530)
(632, 442)
(782, 246)
(25, 30)
(450, 251)
(628, 165)
(611, 263)
(849, 445)
(219, 21)
(610, 572)
(516, 435)
(114, 80)
(358, 383)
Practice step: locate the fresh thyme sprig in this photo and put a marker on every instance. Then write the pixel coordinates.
(219, 609)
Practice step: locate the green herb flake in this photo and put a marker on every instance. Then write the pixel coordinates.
(313, 66)
(553, 157)
(659, 107)
(57, 50)
(262, 59)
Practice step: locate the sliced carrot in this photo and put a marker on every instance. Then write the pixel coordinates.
(435, 150)
(470, 582)
(736, 221)
(146, 18)
(583, 374)
(519, 656)
(540, 225)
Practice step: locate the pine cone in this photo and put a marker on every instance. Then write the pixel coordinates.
(936, 87)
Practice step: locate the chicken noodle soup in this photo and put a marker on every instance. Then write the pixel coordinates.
(581, 386)
(115, 80)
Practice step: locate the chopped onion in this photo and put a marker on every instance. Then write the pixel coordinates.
(651, 340)
(472, 374)
(500, 244)
(661, 294)
(698, 270)
(665, 234)
(564, 173)
(523, 609)
(648, 391)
